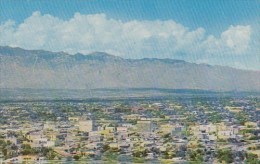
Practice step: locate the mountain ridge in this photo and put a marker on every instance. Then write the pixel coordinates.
(102, 55)
(22, 68)
(93, 55)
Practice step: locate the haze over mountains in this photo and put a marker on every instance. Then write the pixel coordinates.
(39, 69)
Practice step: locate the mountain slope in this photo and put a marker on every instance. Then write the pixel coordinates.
(21, 68)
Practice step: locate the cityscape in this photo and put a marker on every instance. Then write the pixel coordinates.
(178, 129)
(129, 82)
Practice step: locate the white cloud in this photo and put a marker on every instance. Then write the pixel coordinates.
(88, 33)
(235, 41)
(237, 38)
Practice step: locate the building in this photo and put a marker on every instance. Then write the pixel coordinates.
(144, 125)
(86, 125)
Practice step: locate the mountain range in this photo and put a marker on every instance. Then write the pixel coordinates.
(38, 69)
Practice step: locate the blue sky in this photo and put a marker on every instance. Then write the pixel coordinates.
(219, 32)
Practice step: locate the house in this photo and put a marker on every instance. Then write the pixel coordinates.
(94, 136)
(122, 133)
(178, 130)
(114, 145)
(73, 119)
(166, 128)
(23, 159)
(226, 131)
(131, 117)
(49, 126)
(208, 128)
(251, 124)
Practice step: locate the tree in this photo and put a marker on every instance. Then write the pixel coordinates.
(76, 157)
(196, 156)
(225, 155)
(26, 149)
(51, 155)
(106, 147)
(140, 153)
(252, 158)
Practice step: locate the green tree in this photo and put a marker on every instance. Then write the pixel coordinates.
(225, 155)
(76, 157)
(252, 158)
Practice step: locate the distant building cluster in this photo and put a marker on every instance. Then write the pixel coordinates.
(203, 130)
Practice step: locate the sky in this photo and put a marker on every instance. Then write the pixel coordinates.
(217, 32)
